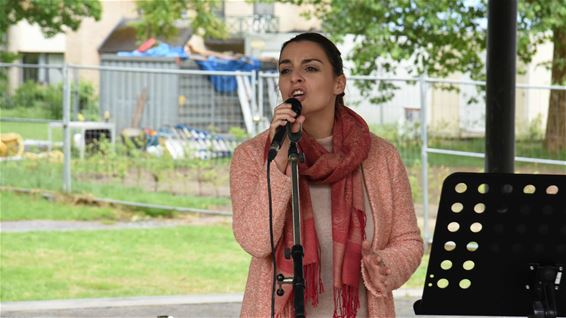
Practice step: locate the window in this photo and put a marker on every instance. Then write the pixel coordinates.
(40, 73)
(219, 10)
(30, 74)
(263, 8)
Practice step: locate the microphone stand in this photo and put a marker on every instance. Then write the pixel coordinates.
(298, 279)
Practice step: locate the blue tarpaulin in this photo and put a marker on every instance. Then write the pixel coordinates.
(162, 50)
(227, 84)
(221, 84)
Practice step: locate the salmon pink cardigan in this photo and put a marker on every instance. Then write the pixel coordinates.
(396, 238)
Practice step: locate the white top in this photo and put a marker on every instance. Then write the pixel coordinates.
(321, 205)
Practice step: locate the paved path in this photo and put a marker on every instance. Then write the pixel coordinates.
(140, 307)
(152, 307)
(45, 225)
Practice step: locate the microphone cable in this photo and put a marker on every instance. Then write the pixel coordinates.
(271, 239)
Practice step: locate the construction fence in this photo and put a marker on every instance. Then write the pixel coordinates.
(159, 126)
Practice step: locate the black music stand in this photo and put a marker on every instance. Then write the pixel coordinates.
(499, 247)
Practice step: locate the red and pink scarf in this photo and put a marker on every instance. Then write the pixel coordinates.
(340, 169)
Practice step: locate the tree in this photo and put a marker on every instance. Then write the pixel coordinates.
(442, 37)
(53, 16)
(545, 20)
(159, 17)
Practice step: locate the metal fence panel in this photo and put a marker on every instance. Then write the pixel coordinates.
(436, 124)
(205, 106)
(139, 99)
(26, 109)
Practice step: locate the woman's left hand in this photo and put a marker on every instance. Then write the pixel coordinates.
(376, 268)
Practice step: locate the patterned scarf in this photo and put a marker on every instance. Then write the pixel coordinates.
(340, 169)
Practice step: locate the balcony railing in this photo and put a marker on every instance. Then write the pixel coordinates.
(257, 23)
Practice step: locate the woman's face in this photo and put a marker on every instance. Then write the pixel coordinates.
(306, 74)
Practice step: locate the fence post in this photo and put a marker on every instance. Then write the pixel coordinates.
(424, 158)
(66, 129)
(259, 100)
(75, 95)
(254, 102)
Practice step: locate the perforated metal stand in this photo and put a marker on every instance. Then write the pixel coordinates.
(499, 247)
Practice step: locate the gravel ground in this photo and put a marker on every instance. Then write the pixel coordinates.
(206, 306)
(27, 226)
(404, 305)
(38, 225)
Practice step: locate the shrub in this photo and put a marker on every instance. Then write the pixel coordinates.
(48, 99)
(88, 101)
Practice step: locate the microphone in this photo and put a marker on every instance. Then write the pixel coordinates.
(280, 131)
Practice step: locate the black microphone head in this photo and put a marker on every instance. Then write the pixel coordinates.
(295, 105)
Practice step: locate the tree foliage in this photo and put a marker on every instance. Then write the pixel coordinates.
(53, 16)
(545, 20)
(159, 17)
(442, 37)
(439, 37)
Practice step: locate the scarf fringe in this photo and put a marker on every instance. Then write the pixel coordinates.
(313, 283)
(287, 311)
(346, 302)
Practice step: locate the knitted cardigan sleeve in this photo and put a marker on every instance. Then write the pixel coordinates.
(248, 192)
(403, 250)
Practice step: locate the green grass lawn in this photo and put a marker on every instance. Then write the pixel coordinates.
(134, 194)
(18, 206)
(85, 264)
(137, 262)
(25, 112)
(40, 174)
(29, 130)
(140, 262)
(14, 206)
(32, 174)
(418, 278)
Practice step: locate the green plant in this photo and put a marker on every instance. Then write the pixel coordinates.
(200, 167)
(47, 100)
(405, 138)
(88, 102)
(5, 57)
(410, 133)
(388, 132)
(158, 167)
(534, 130)
(54, 100)
(28, 95)
(32, 99)
(238, 133)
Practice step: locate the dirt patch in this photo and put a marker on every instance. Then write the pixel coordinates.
(178, 182)
(46, 225)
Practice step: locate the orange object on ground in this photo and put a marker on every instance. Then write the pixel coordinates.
(147, 45)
